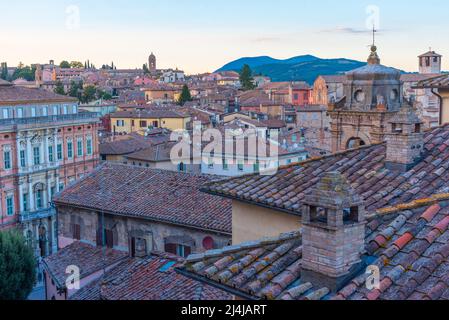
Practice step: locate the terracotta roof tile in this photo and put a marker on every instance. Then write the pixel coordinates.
(174, 197)
(152, 278)
(410, 268)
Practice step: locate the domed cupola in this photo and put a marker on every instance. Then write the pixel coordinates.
(373, 87)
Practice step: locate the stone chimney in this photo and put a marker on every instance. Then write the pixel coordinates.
(333, 233)
(405, 139)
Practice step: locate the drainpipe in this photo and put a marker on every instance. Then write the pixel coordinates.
(440, 98)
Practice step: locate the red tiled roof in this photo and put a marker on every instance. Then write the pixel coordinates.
(126, 146)
(88, 258)
(364, 168)
(440, 82)
(14, 95)
(148, 114)
(158, 195)
(409, 243)
(152, 278)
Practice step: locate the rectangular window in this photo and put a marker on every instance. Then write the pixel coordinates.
(76, 232)
(225, 165)
(79, 148)
(256, 167)
(55, 110)
(240, 166)
(5, 114)
(89, 146)
(33, 112)
(59, 151)
(7, 160)
(61, 187)
(39, 200)
(211, 164)
(19, 113)
(22, 159)
(109, 238)
(143, 124)
(120, 123)
(65, 109)
(69, 150)
(45, 111)
(25, 202)
(37, 156)
(50, 154)
(53, 192)
(10, 205)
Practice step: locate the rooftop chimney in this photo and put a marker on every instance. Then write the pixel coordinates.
(333, 233)
(405, 139)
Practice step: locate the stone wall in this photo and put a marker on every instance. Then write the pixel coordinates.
(156, 233)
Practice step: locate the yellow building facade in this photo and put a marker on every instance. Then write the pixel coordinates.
(128, 122)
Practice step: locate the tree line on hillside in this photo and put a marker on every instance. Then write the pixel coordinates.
(84, 94)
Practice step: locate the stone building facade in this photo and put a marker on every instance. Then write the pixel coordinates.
(45, 145)
(128, 207)
(124, 233)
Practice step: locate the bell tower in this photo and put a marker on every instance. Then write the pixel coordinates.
(152, 63)
(430, 63)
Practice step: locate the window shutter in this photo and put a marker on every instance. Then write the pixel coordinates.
(133, 247)
(77, 232)
(187, 251)
(109, 239)
(99, 238)
(170, 248)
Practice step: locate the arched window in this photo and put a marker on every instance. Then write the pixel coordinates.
(355, 143)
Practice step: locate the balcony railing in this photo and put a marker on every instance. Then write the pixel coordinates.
(38, 214)
(39, 121)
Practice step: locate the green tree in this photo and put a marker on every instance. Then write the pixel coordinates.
(89, 94)
(64, 65)
(59, 88)
(76, 65)
(4, 71)
(17, 267)
(185, 95)
(74, 89)
(25, 72)
(246, 78)
(145, 69)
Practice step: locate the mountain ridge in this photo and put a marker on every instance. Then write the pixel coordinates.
(299, 68)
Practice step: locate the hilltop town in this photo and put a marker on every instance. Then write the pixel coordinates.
(228, 185)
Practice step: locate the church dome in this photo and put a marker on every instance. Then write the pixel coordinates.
(373, 87)
(374, 70)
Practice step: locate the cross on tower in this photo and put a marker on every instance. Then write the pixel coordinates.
(374, 35)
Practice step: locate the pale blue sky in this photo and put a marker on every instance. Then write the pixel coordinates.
(202, 35)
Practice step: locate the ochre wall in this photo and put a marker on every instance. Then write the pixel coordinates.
(251, 222)
(445, 108)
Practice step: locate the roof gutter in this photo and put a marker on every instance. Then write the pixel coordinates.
(217, 285)
(440, 98)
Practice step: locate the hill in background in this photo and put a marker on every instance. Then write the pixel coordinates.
(301, 68)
